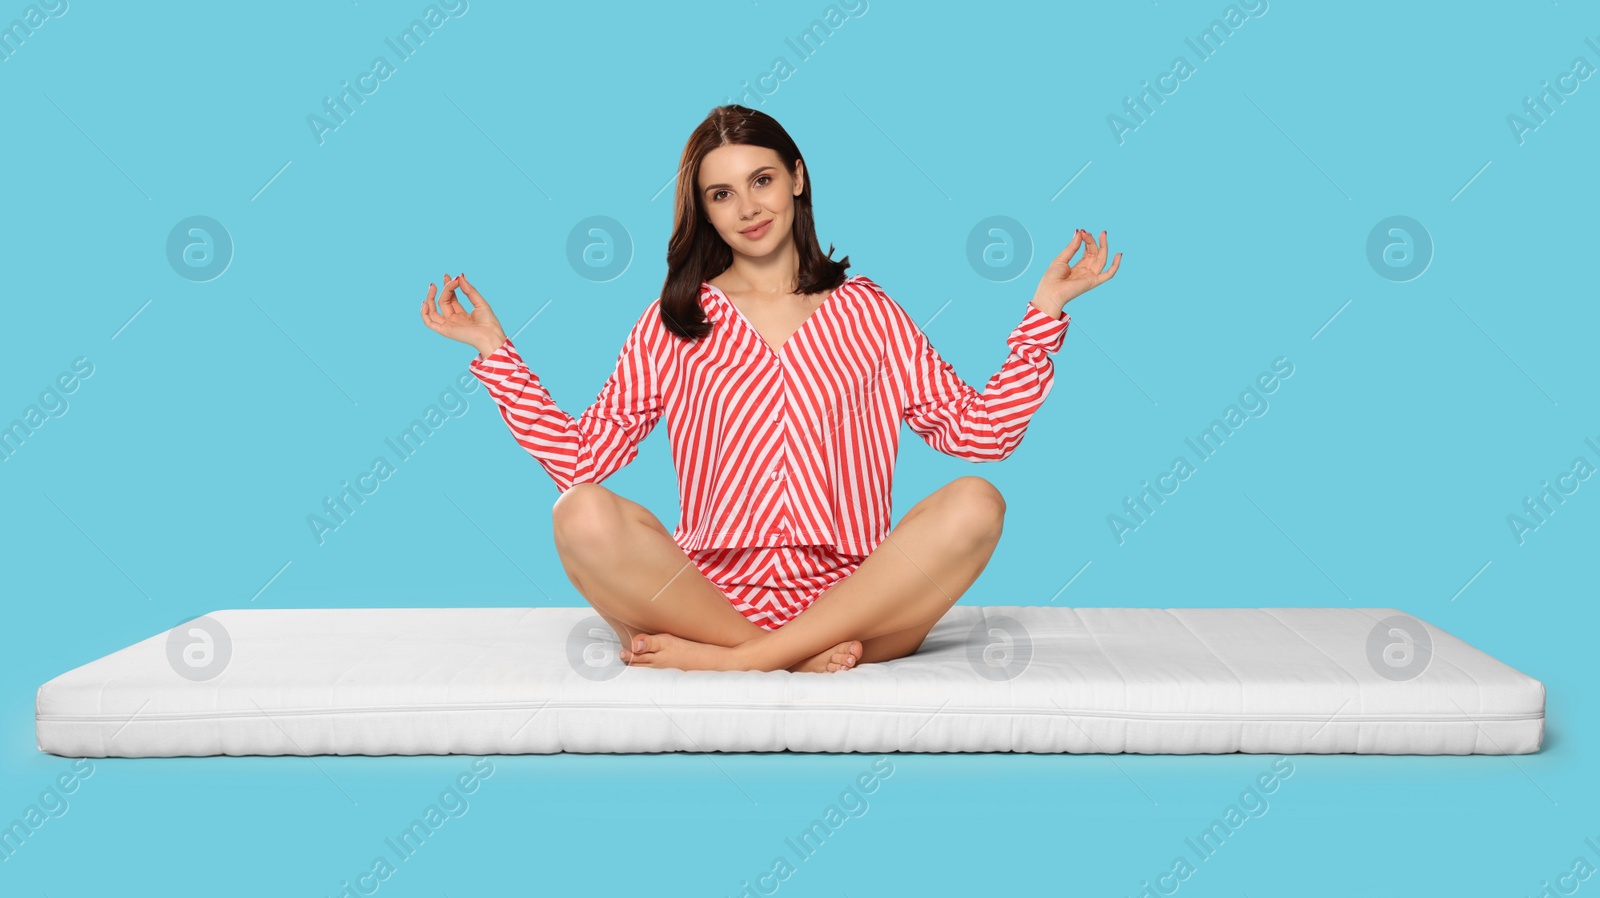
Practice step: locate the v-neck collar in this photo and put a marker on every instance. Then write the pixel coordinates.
(763, 340)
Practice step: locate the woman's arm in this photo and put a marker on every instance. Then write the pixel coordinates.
(589, 448)
(956, 419)
(594, 445)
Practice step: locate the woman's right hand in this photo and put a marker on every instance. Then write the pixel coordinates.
(478, 328)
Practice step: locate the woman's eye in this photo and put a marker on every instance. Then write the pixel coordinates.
(718, 195)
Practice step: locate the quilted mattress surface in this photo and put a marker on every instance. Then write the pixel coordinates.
(406, 681)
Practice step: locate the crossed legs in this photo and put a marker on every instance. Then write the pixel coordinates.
(626, 564)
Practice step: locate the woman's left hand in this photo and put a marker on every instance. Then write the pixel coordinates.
(1063, 281)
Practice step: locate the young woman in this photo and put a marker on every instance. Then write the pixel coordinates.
(783, 383)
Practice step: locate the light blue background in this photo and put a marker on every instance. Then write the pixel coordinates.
(220, 414)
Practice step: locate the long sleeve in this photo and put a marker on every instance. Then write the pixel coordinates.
(605, 437)
(955, 418)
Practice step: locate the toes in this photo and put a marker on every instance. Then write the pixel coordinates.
(850, 655)
(846, 658)
(638, 651)
(638, 659)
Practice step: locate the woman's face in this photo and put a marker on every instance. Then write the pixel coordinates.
(744, 187)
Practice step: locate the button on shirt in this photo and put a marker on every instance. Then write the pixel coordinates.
(789, 447)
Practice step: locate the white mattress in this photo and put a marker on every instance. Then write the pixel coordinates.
(408, 681)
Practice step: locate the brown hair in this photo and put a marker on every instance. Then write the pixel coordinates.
(696, 252)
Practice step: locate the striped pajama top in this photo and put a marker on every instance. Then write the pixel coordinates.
(788, 447)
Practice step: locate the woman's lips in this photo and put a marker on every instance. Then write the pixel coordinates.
(760, 232)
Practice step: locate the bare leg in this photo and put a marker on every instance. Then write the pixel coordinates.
(890, 602)
(626, 564)
(896, 645)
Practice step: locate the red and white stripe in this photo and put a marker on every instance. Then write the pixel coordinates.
(794, 447)
(771, 585)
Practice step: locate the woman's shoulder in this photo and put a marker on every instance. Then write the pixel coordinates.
(862, 280)
(871, 296)
(862, 286)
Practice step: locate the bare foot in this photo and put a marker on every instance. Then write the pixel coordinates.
(666, 650)
(841, 657)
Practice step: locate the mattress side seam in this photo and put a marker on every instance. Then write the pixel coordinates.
(869, 709)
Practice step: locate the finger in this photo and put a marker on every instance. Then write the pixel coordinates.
(1089, 248)
(1110, 272)
(1065, 256)
(429, 309)
(450, 302)
(473, 294)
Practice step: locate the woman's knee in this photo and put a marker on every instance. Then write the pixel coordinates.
(974, 510)
(585, 515)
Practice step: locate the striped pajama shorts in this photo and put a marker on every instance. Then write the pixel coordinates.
(771, 585)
